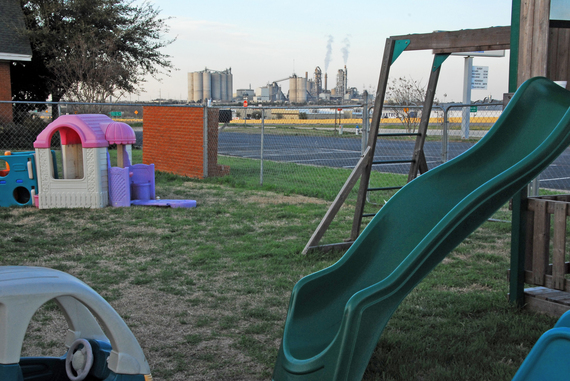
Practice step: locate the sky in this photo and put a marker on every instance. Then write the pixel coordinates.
(263, 41)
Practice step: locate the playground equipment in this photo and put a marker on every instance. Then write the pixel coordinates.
(84, 181)
(101, 346)
(18, 179)
(549, 359)
(442, 44)
(336, 316)
(87, 178)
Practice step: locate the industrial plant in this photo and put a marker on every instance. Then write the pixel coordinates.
(210, 85)
(217, 86)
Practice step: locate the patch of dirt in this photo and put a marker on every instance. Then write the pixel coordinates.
(275, 199)
(263, 197)
(162, 323)
(463, 290)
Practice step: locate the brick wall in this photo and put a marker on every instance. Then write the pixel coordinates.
(5, 92)
(173, 140)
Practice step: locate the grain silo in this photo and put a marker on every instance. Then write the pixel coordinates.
(230, 84)
(210, 85)
(301, 90)
(224, 86)
(293, 89)
(198, 83)
(217, 85)
(207, 84)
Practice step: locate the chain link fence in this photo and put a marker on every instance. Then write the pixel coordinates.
(299, 146)
(21, 122)
(304, 147)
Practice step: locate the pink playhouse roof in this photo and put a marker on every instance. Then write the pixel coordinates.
(86, 126)
(120, 133)
(91, 130)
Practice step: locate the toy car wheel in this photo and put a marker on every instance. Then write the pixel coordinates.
(79, 360)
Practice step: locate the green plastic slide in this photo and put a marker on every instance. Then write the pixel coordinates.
(336, 316)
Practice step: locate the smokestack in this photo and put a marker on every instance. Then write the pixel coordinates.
(307, 75)
(325, 81)
(345, 79)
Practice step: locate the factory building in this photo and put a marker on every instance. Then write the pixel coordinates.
(341, 82)
(302, 90)
(270, 93)
(244, 94)
(297, 89)
(215, 85)
(210, 84)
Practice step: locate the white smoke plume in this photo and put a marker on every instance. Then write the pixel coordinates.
(329, 52)
(345, 48)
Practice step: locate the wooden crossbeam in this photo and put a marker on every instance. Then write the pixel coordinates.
(467, 40)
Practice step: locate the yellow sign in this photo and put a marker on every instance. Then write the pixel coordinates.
(136, 112)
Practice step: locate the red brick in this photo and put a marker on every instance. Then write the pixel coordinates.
(173, 139)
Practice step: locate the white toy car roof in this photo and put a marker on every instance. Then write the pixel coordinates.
(25, 289)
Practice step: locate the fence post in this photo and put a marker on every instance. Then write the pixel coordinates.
(262, 136)
(466, 114)
(534, 187)
(364, 141)
(445, 135)
(205, 140)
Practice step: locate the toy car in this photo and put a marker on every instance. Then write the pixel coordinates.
(101, 346)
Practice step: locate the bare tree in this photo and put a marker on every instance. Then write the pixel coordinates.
(409, 94)
(90, 77)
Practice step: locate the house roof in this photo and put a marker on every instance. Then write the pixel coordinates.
(14, 45)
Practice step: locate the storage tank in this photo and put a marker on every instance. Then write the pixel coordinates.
(230, 85)
(207, 84)
(293, 89)
(224, 86)
(216, 86)
(190, 87)
(197, 82)
(301, 90)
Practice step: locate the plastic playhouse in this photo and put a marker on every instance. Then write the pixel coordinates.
(86, 179)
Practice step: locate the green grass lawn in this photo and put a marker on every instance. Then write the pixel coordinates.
(206, 290)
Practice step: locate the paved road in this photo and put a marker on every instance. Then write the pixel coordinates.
(345, 152)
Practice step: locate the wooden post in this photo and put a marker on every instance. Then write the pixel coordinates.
(541, 242)
(518, 248)
(529, 48)
(533, 39)
(337, 203)
(373, 136)
(419, 160)
(559, 245)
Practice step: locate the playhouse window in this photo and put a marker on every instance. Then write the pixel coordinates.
(71, 155)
